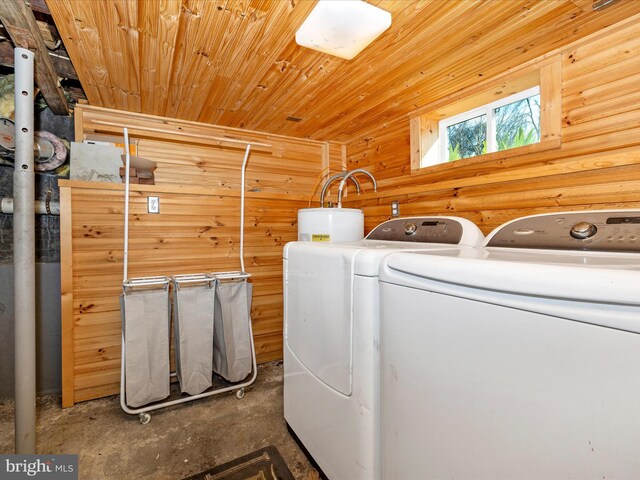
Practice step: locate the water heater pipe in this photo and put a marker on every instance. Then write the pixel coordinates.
(24, 257)
(41, 207)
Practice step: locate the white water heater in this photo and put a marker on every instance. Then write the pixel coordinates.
(330, 225)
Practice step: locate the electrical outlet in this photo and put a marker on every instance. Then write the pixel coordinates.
(153, 204)
(395, 208)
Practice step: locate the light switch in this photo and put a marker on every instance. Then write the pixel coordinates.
(153, 204)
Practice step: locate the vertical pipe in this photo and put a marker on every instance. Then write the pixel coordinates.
(24, 257)
(125, 271)
(126, 206)
(244, 167)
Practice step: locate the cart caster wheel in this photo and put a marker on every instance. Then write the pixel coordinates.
(144, 418)
(240, 393)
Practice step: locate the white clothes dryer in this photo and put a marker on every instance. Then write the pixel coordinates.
(331, 338)
(518, 360)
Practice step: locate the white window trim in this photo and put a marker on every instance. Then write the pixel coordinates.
(487, 110)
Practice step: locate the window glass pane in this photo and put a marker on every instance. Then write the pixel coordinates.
(518, 123)
(468, 138)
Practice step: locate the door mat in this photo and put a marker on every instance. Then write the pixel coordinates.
(263, 464)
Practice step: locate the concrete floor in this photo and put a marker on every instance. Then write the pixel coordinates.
(178, 442)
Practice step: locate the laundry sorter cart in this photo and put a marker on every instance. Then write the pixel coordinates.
(146, 317)
(234, 354)
(212, 334)
(212, 326)
(193, 317)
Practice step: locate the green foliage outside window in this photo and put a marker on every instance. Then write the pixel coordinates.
(516, 124)
(468, 138)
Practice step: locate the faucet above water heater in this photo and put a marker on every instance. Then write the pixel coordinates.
(349, 175)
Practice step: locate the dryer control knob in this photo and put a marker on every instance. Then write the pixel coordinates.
(583, 230)
(410, 228)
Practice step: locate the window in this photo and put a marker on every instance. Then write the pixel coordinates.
(516, 113)
(511, 122)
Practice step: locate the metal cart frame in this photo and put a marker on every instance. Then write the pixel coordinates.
(163, 282)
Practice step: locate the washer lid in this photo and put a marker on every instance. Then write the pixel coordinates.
(367, 260)
(588, 277)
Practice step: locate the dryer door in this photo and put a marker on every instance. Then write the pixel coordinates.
(318, 320)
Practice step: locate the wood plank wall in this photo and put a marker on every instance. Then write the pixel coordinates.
(596, 166)
(197, 230)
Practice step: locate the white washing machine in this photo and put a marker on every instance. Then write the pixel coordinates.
(519, 360)
(331, 332)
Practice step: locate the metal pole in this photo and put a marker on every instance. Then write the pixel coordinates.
(24, 257)
(127, 167)
(244, 168)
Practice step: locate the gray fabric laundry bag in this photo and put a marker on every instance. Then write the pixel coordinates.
(232, 353)
(145, 322)
(193, 308)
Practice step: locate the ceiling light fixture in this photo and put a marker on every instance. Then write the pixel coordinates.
(342, 27)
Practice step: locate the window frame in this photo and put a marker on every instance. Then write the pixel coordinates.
(545, 71)
(489, 111)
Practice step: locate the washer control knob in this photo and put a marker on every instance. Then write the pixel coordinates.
(410, 228)
(583, 230)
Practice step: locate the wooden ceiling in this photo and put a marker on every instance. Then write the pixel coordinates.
(236, 63)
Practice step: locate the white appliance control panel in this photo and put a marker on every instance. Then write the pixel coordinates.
(612, 230)
(419, 229)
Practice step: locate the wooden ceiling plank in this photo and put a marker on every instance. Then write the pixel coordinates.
(214, 46)
(245, 53)
(356, 86)
(461, 72)
(270, 45)
(449, 20)
(337, 128)
(494, 61)
(181, 90)
(578, 28)
(239, 65)
(302, 72)
(23, 29)
(220, 93)
(81, 44)
(205, 57)
(233, 29)
(98, 44)
(159, 24)
(93, 42)
(584, 5)
(128, 39)
(116, 30)
(151, 21)
(309, 72)
(537, 43)
(445, 51)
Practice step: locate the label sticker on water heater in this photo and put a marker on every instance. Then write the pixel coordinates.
(320, 237)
